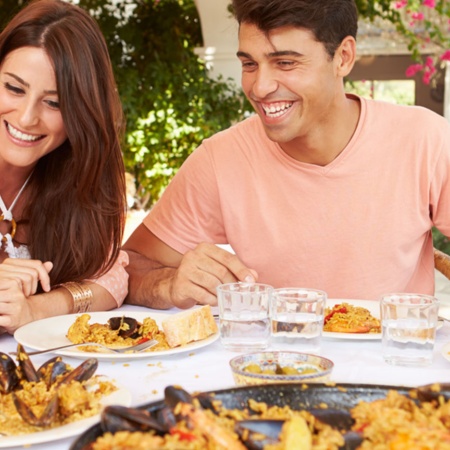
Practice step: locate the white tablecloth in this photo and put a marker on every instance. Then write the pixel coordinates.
(356, 361)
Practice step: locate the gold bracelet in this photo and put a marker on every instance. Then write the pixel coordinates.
(82, 296)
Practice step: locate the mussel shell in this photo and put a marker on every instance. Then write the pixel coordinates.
(133, 326)
(51, 369)
(432, 392)
(27, 368)
(9, 378)
(120, 418)
(48, 416)
(174, 395)
(81, 373)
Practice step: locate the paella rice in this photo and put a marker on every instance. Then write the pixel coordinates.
(347, 318)
(398, 423)
(76, 400)
(81, 332)
(320, 436)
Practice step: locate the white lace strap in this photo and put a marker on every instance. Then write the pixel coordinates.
(7, 213)
(9, 247)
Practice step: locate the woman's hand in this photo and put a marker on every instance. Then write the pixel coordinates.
(28, 273)
(19, 279)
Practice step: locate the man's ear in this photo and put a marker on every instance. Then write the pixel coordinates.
(345, 56)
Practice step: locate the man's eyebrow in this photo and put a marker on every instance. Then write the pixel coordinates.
(276, 54)
(24, 83)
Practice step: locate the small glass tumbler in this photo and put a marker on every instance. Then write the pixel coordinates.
(409, 328)
(297, 316)
(244, 316)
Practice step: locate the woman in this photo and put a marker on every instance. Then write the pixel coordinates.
(62, 188)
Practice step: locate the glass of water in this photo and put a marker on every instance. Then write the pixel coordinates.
(296, 316)
(244, 323)
(409, 328)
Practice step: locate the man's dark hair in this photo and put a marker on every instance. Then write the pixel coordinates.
(329, 20)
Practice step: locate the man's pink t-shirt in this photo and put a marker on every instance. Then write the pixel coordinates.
(358, 227)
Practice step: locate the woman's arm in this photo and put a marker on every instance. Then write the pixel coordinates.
(16, 281)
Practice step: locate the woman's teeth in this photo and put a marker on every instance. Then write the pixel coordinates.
(22, 136)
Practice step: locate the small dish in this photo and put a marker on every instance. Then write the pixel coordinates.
(310, 368)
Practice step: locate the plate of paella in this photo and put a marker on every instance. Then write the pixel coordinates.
(352, 319)
(54, 401)
(95, 327)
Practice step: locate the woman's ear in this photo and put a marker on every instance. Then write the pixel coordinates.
(345, 56)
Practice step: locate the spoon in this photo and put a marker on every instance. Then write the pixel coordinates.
(130, 349)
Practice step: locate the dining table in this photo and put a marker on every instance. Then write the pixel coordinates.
(207, 368)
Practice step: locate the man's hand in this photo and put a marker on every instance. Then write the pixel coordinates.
(200, 272)
(161, 277)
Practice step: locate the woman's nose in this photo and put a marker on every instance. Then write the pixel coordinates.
(29, 114)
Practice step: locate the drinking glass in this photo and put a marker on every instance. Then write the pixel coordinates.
(244, 316)
(408, 328)
(297, 316)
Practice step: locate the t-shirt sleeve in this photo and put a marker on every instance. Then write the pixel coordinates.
(115, 281)
(189, 211)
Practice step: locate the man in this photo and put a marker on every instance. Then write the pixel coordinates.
(319, 189)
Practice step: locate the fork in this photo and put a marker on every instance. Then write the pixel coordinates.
(132, 348)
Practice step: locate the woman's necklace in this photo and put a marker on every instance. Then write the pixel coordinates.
(6, 216)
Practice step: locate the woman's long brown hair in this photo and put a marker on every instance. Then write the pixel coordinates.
(75, 201)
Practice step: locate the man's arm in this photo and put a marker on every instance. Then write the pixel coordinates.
(161, 277)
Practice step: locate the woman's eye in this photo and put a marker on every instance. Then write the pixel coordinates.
(14, 89)
(53, 104)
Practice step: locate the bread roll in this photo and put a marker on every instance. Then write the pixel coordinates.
(189, 326)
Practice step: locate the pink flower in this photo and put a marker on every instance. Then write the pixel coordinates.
(426, 77)
(429, 62)
(429, 3)
(446, 56)
(400, 4)
(413, 69)
(417, 16)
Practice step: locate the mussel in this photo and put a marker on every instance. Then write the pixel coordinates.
(53, 373)
(127, 326)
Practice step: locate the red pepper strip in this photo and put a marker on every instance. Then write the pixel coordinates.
(332, 313)
(143, 339)
(184, 435)
(361, 428)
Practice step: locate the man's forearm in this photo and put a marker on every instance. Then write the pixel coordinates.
(149, 283)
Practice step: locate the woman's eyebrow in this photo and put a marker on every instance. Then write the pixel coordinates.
(23, 82)
(17, 78)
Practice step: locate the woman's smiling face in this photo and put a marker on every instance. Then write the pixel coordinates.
(31, 122)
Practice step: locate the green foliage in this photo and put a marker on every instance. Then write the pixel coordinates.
(170, 103)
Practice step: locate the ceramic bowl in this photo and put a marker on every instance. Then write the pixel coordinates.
(264, 368)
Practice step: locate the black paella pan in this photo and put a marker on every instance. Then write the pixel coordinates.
(339, 398)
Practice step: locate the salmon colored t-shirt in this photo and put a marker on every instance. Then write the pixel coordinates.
(356, 228)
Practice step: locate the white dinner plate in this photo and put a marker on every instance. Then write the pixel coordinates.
(51, 332)
(372, 305)
(446, 351)
(119, 397)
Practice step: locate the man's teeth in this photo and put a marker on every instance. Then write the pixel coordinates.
(276, 110)
(22, 136)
